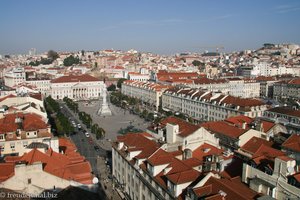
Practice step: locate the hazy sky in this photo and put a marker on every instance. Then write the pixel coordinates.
(159, 26)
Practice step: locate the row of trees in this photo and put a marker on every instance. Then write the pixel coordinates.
(85, 118)
(57, 118)
(98, 131)
(124, 101)
(71, 104)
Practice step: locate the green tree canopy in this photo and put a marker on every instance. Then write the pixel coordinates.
(71, 60)
(112, 87)
(196, 63)
(52, 55)
(120, 81)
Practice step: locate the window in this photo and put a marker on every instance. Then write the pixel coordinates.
(25, 144)
(1, 137)
(12, 145)
(1, 147)
(29, 181)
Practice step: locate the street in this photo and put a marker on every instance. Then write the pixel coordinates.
(97, 152)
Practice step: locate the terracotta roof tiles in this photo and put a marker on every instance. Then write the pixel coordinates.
(224, 128)
(292, 143)
(185, 128)
(231, 189)
(73, 78)
(254, 144)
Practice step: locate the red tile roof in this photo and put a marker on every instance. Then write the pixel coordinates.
(239, 120)
(7, 97)
(185, 128)
(60, 165)
(160, 157)
(183, 177)
(30, 122)
(254, 144)
(140, 142)
(242, 102)
(266, 154)
(209, 81)
(267, 151)
(224, 128)
(231, 188)
(266, 125)
(170, 76)
(295, 81)
(205, 150)
(118, 67)
(7, 170)
(286, 111)
(292, 143)
(36, 96)
(73, 78)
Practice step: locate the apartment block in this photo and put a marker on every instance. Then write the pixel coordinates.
(210, 106)
(147, 92)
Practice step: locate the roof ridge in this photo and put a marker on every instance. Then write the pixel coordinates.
(229, 187)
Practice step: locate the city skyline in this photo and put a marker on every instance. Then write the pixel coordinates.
(166, 27)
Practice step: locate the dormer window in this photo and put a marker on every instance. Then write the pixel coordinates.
(12, 146)
(2, 147)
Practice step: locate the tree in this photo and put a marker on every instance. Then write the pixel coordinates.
(150, 117)
(52, 55)
(71, 60)
(144, 113)
(112, 87)
(196, 63)
(120, 81)
(100, 133)
(82, 52)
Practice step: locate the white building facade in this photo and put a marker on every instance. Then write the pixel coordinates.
(235, 87)
(14, 77)
(81, 87)
(145, 91)
(208, 106)
(42, 85)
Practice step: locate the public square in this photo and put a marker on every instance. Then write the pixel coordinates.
(120, 119)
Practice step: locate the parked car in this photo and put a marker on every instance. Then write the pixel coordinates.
(87, 135)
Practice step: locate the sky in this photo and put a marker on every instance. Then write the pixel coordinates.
(157, 26)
